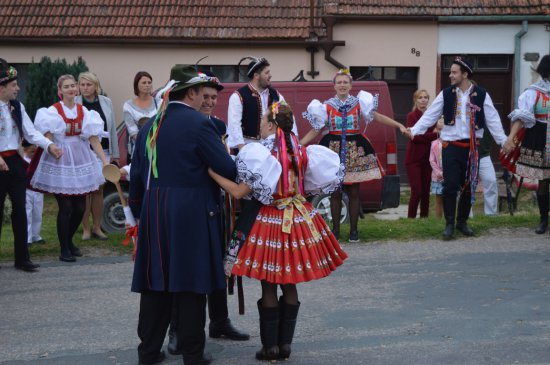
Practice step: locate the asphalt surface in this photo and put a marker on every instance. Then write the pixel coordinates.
(484, 300)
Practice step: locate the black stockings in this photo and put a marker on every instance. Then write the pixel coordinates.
(353, 207)
(69, 217)
(269, 294)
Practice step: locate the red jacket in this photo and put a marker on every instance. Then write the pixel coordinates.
(418, 149)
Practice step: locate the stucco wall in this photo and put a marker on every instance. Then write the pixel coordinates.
(388, 44)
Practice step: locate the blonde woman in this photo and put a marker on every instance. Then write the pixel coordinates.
(77, 173)
(417, 158)
(90, 90)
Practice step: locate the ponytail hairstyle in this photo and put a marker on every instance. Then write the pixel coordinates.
(281, 114)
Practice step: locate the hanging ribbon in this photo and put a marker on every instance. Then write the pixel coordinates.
(343, 143)
(154, 131)
(131, 234)
(473, 158)
(288, 204)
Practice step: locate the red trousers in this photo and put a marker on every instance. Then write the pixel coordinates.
(420, 177)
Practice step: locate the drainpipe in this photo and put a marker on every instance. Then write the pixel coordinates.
(517, 60)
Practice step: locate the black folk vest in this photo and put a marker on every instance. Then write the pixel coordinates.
(17, 115)
(477, 97)
(252, 109)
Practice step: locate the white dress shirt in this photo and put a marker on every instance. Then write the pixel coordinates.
(9, 134)
(461, 128)
(235, 116)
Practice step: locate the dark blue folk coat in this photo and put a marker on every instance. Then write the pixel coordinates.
(178, 246)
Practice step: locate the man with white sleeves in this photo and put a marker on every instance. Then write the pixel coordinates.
(248, 103)
(467, 109)
(15, 125)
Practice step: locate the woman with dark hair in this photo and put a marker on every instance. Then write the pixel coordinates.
(358, 156)
(289, 241)
(417, 158)
(91, 98)
(530, 157)
(142, 106)
(77, 172)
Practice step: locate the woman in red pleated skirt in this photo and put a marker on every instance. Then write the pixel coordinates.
(289, 242)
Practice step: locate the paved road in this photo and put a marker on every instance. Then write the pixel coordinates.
(470, 301)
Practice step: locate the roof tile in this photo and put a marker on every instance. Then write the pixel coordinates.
(220, 19)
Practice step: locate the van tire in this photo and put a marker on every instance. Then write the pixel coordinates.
(322, 204)
(113, 215)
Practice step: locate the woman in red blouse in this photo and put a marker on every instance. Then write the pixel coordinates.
(417, 158)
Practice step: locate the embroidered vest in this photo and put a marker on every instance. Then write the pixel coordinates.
(477, 97)
(252, 109)
(542, 107)
(73, 126)
(335, 122)
(17, 115)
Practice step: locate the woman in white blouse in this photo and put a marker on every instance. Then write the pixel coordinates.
(77, 173)
(143, 106)
(358, 155)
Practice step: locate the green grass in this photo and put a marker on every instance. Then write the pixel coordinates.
(113, 246)
(370, 229)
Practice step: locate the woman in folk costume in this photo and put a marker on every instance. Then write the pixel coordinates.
(77, 173)
(358, 156)
(531, 157)
(289, 241)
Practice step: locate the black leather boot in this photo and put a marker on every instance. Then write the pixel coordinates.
(269, 333)
(449, 211)
(287, 324)
(542, 201)
(463, 213)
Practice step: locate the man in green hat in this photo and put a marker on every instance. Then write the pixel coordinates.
(178, 249)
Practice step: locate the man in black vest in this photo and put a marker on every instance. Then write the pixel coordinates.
(220, 324)
(248, 103)
(15, 125)
(467, 109)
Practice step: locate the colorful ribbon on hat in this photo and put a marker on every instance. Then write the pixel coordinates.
(288, 204)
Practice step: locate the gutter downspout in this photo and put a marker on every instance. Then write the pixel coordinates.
(517, 60)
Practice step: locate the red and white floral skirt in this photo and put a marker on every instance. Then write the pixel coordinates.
(288, 258)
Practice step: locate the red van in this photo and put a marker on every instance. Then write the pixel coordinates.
(299, 95)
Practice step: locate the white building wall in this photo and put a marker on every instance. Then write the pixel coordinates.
(496, 39)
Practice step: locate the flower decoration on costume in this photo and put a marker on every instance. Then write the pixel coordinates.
(344, 71)
(10, 73)
(275, 107)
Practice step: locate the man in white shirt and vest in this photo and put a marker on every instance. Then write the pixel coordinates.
(248, 103)
(467, 109)
(15, 125)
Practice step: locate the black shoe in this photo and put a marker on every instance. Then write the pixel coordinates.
(75, 251)
(226, 330)
(28, 266)
(173, 348)
(448, 232)
(353, 237)
(543, 226)
(205, 360)
(464, 229)
(160, 358)
(40, 242)
(67, 257)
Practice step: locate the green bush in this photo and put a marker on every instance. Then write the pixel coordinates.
(42, 81)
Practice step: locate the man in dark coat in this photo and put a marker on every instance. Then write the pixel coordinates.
(178, 251)
(220, 324)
